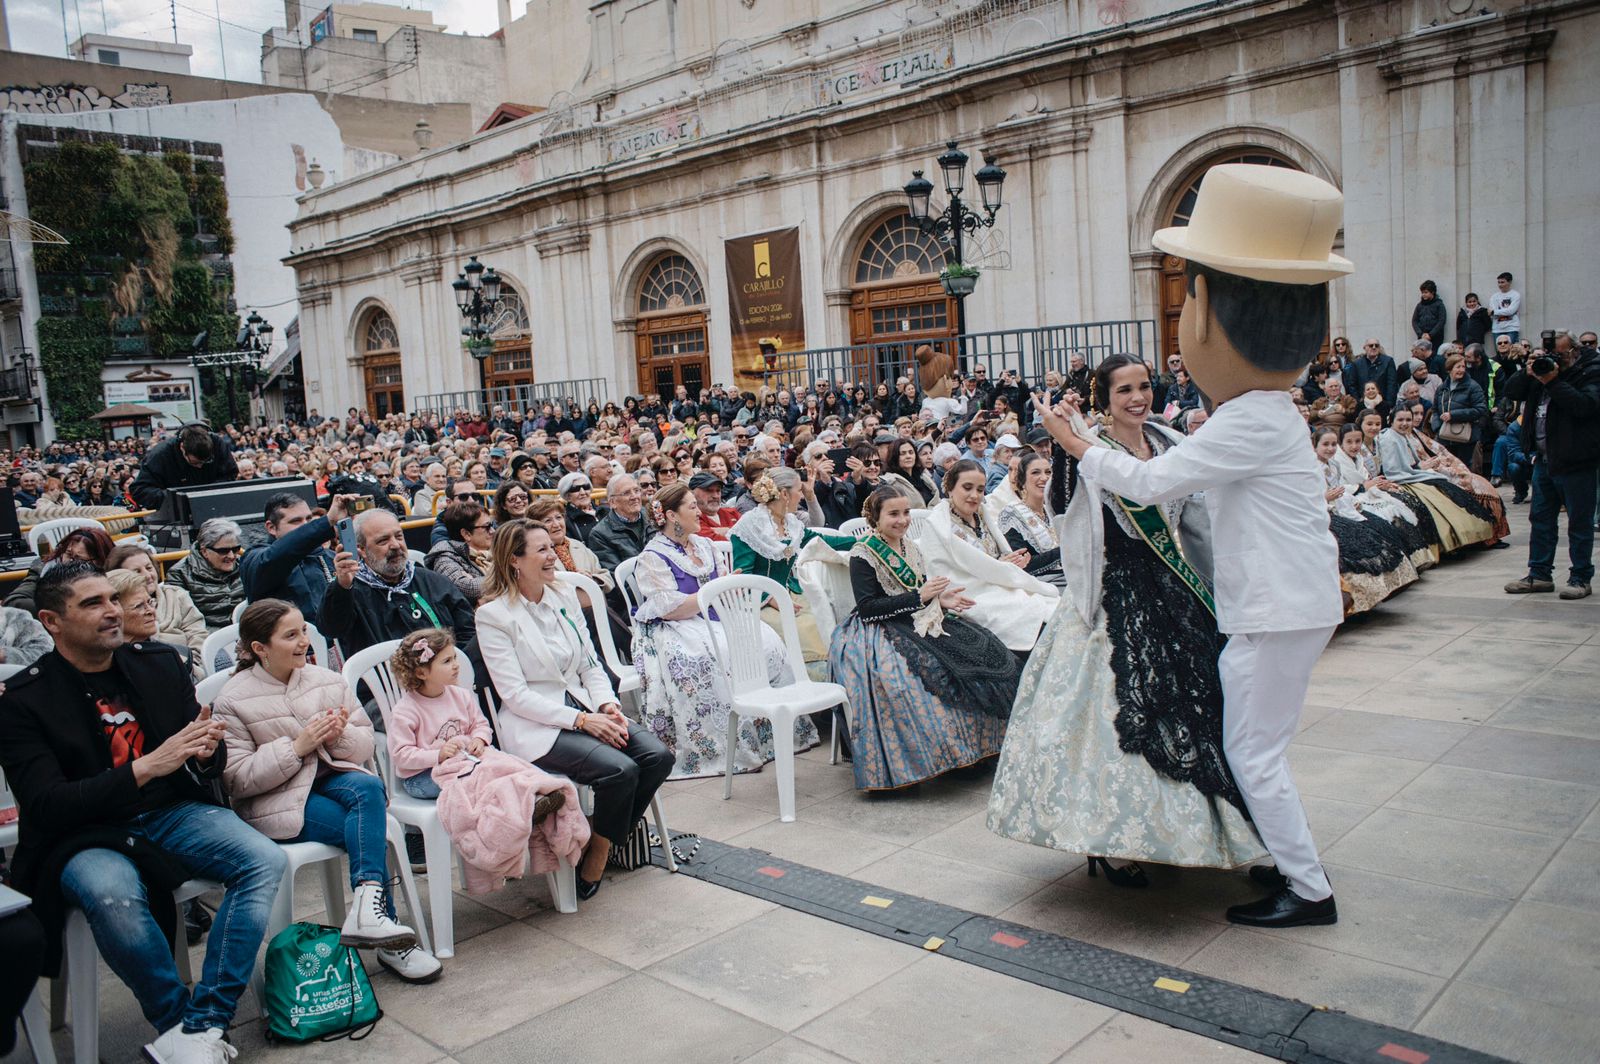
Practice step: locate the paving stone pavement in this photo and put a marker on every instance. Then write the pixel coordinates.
(1450, 764)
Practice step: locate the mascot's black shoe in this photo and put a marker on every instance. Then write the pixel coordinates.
(1285, 909)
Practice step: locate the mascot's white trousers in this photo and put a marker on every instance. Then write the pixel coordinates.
(1264, 680)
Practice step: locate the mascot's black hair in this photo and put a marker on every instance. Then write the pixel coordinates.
(1276, 327)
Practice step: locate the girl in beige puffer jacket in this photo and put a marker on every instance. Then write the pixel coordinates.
(298, 742)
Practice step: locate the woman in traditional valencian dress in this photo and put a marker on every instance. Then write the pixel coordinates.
(1460, 518)
(766, 542)
(1028, 524)
(683, 690)
(1374, 559)
(1114, 748)
(1356, 472)
(929, 690)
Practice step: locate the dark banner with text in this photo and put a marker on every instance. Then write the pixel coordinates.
(764, 297)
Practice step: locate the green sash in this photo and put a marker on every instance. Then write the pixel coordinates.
(898, 566)
(1152, 527)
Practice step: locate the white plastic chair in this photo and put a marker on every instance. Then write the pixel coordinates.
(737, 601)
(53, 530)
(36, 1029)
(627, 675)
(724, 552)
(420, 557)
(238, 611)
(80, 970)
(919, 524)
(628, 585)
(856, 526)
(218, 653)
(301, 854)
(371, 666)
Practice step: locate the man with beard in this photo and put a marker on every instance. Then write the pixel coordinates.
(379, 593)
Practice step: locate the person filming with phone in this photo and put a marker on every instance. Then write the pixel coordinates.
(295, 564)
(1559, 388)
(378, 593)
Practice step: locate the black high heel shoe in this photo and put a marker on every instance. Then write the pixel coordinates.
(586, 889)
(1129, 875)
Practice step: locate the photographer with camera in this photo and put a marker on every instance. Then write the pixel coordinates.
(1560, 392)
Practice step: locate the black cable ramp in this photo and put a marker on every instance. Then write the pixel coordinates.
(1252, 1019)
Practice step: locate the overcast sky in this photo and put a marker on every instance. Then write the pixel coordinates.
(36, 25)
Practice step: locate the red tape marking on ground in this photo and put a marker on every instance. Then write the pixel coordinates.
(1402, 1054)
(775, 873)
(1008, 940)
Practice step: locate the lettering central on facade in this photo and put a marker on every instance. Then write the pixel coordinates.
(877, 73)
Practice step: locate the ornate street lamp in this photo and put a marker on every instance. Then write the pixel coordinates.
(956, 220)
(477, 292)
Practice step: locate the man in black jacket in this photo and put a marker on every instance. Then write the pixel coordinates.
(195, 456)
(1561, 434)
(1375, 366)
(383, 595)
(624, 530)
(115, 770)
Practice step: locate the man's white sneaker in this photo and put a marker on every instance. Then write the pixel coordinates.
(177, 1046)
(369, 925)
(414, 965)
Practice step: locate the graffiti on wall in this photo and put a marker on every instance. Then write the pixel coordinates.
(69, 99)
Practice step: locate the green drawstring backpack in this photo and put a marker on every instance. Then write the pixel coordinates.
(317, 989)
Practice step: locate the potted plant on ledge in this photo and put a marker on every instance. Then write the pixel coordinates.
(959, 279)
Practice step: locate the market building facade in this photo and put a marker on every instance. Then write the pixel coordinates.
(617, 216)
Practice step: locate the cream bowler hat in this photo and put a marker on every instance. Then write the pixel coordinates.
(1268, 223)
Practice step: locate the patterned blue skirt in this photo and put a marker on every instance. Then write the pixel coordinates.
(901, 731)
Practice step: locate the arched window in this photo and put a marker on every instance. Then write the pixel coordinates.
(1173, 290)
(1185, 205)
(896, 250)
(670, 285)
(897, 302)
(381, 335)
(671, 343)
(381, 365)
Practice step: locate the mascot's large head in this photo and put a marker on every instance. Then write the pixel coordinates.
(935, 371)
(1259, 249)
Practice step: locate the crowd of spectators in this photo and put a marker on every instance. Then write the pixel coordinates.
(135, 790)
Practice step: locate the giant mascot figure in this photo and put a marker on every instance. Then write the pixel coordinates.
(1259, 259)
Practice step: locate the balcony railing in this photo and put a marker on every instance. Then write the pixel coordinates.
(523, 397)
(16, 385)
(1028, 351)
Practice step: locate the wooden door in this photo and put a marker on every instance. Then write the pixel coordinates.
(899, 317)
(671, 350)
(386, 390)
(1173, 293)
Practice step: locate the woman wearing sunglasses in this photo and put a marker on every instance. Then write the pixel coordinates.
(210, 573)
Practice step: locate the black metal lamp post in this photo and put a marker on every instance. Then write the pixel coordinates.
(956, 219)
(477, 291)
(251, 347)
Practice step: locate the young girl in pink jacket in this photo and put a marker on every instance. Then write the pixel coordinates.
(435, 719)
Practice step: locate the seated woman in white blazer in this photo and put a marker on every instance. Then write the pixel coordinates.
(557, 708)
